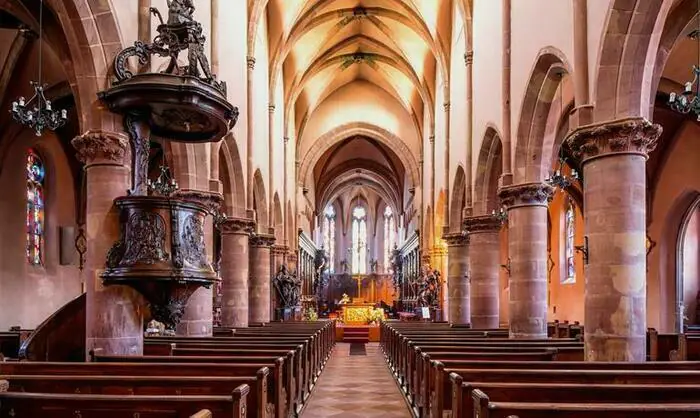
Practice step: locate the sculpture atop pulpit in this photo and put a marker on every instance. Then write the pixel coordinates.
(180, 11)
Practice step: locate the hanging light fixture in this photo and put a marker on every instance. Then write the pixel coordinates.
(560, 180)
(37, 113)
(501, 215)
(689, 100)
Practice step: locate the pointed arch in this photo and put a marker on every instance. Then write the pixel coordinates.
(532, 156)
(260, 202)
(459, 190)
(488, 169)
(232, 176)
(277, 218)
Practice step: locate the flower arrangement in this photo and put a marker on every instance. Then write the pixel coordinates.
(310, 314)
(376, 315)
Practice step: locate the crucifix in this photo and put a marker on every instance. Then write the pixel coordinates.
(359, 285)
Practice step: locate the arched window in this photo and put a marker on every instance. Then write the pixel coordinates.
(35, 208)
(569, 234)
(388, 237)
(329, 236)
(359, 240)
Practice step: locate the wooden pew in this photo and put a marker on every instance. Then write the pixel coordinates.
(487, 409)
(149, 369)
(280, 381)
(463, 405)
(28, 404)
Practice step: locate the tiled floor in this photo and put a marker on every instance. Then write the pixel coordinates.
(356, 387)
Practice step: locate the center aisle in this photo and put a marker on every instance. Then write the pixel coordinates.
(356, 386)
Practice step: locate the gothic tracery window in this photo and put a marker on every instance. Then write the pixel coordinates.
(388, 237)
(569, 234)
(329, 236)
(35, 208)
(359, 240)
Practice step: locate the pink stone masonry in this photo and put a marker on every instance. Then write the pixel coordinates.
(457, 278)
(114, 313)
(484, 260)
(259, 301)
(235, 270)
(615, 220)
(527, 247)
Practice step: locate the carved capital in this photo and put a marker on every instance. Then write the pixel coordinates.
(212, 201)
(469, 58)
(528, 194)
(262, 240)
(241, 226)
(286, 140)
(431, 139)
(481, 224)
(625, 136)
(101, 146)
(456, 239)
(271, 108)
(251, 62)
(280, 249)
(446, 106)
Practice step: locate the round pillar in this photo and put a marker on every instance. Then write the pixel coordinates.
(527, 247)
(260, 277)
(457, 278)
(114, 313)
(484, 260)
(613, 156)
(235, 263)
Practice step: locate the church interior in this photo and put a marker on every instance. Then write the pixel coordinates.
(350, 208)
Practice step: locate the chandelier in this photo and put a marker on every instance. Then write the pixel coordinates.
(37, 113)
(501, 215)
(559, 180)
(164, 184)
(689, 100)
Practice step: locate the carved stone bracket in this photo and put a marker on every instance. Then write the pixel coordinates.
(528, 194)
(101, 146)
(481, 224)
(262, 240)
(456, 239)
(239, 226)
(632, 135)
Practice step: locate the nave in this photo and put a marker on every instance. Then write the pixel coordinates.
(355, 385)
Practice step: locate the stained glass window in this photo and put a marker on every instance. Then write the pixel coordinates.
(388, 237)
(35, 208)
(359, 240)
(329, 236)
(569, 233)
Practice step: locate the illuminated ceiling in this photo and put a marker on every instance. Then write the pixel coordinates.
(319, 46)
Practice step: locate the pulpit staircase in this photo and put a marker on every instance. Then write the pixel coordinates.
(359, 335)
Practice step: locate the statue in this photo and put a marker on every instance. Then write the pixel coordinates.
(288, 288)
(373, 265)
(396, 267)
(429, 287)
(180, 12)
(345, 299)
(320, 276)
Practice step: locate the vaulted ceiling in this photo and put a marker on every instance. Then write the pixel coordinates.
(319, 46)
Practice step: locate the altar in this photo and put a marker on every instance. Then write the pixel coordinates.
(357, 313)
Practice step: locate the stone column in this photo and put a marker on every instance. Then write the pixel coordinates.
(527, 246)
(457, 278)
(613, 156)
(484, 260)
(260, 278)
(114, 313)
(197, 321)
(235, 262)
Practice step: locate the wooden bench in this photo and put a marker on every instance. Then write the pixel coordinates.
(28, 404)
(463, 405)
(157, 369)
